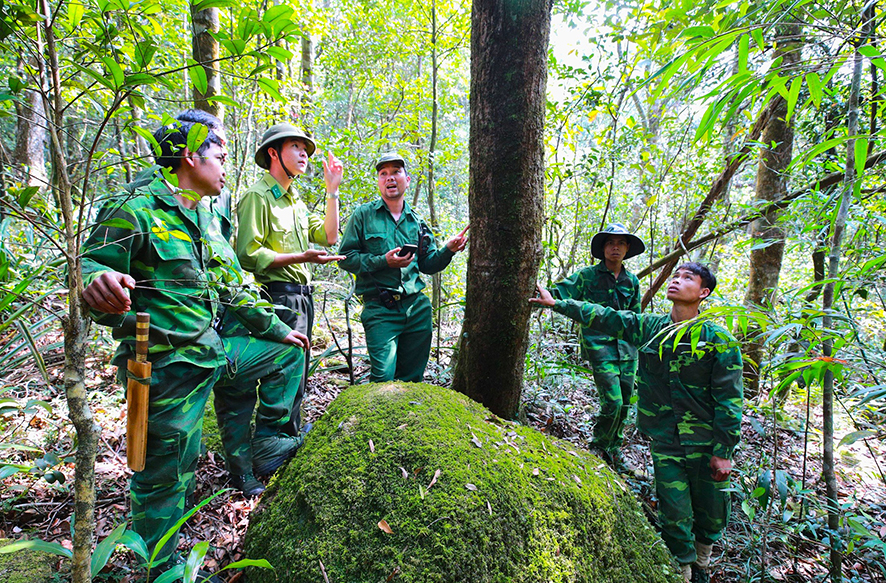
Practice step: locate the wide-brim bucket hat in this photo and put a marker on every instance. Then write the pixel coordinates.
(277, 132)
(635, 245)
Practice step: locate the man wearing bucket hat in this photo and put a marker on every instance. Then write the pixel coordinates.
(613, 361)
(275, 232)
(396, 316)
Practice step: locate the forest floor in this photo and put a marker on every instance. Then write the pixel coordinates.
(785, 539)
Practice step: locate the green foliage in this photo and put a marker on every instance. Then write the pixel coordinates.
(422, 482)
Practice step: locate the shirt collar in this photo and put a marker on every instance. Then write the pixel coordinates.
(274, 187)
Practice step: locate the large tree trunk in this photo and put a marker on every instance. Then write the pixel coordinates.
(206, 53)
(509, 42)
(307, 81)
(30, 139)
(775, 157)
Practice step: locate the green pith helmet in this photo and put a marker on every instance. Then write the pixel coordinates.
(276, 132)
(635, 245)
(390, 157)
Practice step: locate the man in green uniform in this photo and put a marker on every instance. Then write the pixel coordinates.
(690, 399)
(613, 361)
(396, 316)
(161, 250)
(275, 231)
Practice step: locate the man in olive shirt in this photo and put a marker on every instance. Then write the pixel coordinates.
(275, 231)
(396, 315)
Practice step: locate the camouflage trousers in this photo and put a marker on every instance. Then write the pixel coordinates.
(398, 340)
(691, 505)
(615, 385)
(179, 392)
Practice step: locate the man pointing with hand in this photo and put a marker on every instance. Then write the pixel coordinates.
(387, 245)
(276, 229)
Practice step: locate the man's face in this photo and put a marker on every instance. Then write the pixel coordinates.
(294, 154)
(686, 287)
(392, 181)
(209, 170)
(615, 248)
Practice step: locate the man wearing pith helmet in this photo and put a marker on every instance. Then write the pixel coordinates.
(275, 233)
(396, 316)
(613, 361)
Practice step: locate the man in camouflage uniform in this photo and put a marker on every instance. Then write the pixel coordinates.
(613, 361)
(161, 250)
(275, 230)
(396, 316)
(690, 400)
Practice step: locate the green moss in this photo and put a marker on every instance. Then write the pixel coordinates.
(211, 436)
(509, 504)
(26, 566)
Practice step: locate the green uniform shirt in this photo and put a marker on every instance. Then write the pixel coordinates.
(372, 232)
(271, 221)
(184, 270)
(598, 285)
(685, 396)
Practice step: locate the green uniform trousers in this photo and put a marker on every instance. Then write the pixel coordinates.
(691, 505)
(297, 313)
(615, 384)
(398, 340)
(178, 396)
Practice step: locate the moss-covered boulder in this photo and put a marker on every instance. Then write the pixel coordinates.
(26, 566)
(410, 482)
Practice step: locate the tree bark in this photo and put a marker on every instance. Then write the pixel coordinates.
(509, 41)
(307, 80)
(30, 139)
(206, 52)
(771, 185)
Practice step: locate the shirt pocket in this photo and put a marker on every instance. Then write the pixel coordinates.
(177, 264)
(377, 243)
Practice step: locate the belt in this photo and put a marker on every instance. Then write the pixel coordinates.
(395, 297)
(282, 287)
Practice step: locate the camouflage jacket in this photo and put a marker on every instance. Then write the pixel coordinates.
(690, 392)
(372, 232)
(184, 269)
(598, 285)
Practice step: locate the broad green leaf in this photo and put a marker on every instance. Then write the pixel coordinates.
(180, 235)
(279, 53)
(277, 12)
(105, 549)
(869, 51)
(20, 447)
(115, 71)
(878, 62)
(144, 53)
(207, 4)
(260, 563)
(195, 559)
(198, 76)
(26, 194)
(174, 574)
(137, 79)
(743, 45)
(793, 95)
(861, 155)
(851, 438)
(271, 87)
(814, 83)
(757, 33)
(134, 542)
(75, 14)
(13, 295)
(35, 544)
(118, 223)
(196, 136)
(6, 471)
(174, 529)
(235, 46)
(223, 99)
(95, 76)
(697, 31)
